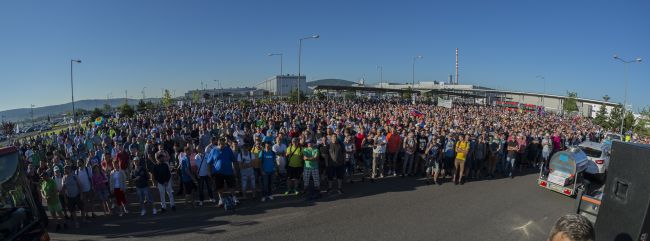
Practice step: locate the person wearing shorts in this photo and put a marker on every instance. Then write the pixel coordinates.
(50, 194)
(434, 160)
(118, 186)
(295, 166)
(336, 169)
(100, 185)
(72, 191)
(462, 147)
(220, 160)
(310, 155)
(141, 178)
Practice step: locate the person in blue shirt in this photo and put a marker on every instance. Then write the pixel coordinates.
(267, 157)
(220, 160)
(187, 177)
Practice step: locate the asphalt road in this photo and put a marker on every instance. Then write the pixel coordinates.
(390, 209)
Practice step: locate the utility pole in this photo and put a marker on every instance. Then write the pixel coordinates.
(32, 110)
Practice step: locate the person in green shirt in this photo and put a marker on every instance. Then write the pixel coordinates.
(51, 194)
(310, 155)
(294, 168)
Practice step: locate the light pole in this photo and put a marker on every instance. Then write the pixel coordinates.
(299, 56)
(414, 59)
(220, 87)
(31, 107)
(625, 62)
(544, 93)
(143, 92)
(281, 56)
(381, 75)
(74, 114)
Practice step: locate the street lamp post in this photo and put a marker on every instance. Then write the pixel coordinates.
(414, 59)
(31, 107)
(299, 56)
(74, 114)
(544, 93)
(281, 56)
(220, 87)
(381, 75)
(625, 62)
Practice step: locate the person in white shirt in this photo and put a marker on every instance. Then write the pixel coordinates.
(204, 175)
(280, 150)
(379, 155)
(85, 175)
(245, 159)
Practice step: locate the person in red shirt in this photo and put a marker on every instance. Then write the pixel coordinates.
(358, 142)
(393, 146)
(123, 158)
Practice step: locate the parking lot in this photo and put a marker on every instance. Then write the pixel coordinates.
(391, 209)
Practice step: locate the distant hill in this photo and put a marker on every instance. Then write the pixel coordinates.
(330, 82)
(53, 110)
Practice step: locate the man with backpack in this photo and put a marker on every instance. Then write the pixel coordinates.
(220, 160)
(295, 166)
(72, 192)
(85, 175)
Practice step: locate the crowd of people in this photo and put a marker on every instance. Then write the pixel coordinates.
(261, 151)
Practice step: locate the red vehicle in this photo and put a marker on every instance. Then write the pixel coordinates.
(532, 108)
(21, 218)
(510, 105)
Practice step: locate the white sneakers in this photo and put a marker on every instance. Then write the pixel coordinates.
(270, 198)
(143, 212)
(263, 199)
(200, 203)
(154, 211)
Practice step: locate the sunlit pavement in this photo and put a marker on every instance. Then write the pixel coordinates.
(391, 209)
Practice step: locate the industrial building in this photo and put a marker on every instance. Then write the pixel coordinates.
(284, 84)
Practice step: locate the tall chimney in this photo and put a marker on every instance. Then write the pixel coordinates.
(456, 65)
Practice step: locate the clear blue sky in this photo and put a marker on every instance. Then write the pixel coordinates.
(177, 44)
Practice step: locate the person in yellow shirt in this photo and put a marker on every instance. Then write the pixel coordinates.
(462, 147)
(295, 166)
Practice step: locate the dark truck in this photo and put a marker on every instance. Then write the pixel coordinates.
(21, 216)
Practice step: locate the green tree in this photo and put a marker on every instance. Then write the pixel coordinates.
(196, 97)
(320, 95)
(643, 122)
(127, 110)
(408, 94)
(8, 127)
(96, 113)
(615, 118)
(350, 95)
(601, 117)
(107, 108)
(167, 98)
(570, 103)
(151, 105)
(142, 106)
(293, 96)
(628, 122)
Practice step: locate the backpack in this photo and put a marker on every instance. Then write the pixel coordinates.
(228, 203)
